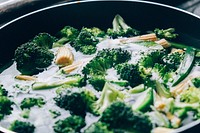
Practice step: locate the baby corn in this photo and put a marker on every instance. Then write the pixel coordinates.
(71, 67)
(64, 56)
(163, 43)
(25, 77)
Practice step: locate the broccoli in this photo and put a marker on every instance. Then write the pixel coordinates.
(98, 127)
(22, 127)
(44, 40)
(121, 29)
(87, 40)
(3, 91)
(120, 116)
(27, 103)
(167, 33)
(32, 58)
(5, 106)
(77, 102)
(196, 82)
(25, 113)
(172, 60)
(129, 72)
(109, 95)
(191, 95)
(55, 113)
(71, 124)
(75, 80)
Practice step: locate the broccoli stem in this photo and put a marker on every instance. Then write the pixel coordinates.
(162, 91)
(122, 22)
(182, 46)
(186, 66)
(137, 89)
(115, 23)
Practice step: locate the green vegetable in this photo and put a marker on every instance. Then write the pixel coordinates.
(137, 89)
(25, 113)
(3, 91)
(98, 127)
(191, 95)
(186, 66)
(70, 124)
(120, 116)
(162, 90)
(5, 106)
(144, 101)
(22, 127)
(167, 33)
(27, 103)
(121, 29)
(196, 82)
(55, 113)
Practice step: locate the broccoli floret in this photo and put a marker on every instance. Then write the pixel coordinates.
(71, 124)
(121, 29)
(77, 102)
(120, 116)
(191, 95)
(167, 33)
(44, 40)
(68, 32)
(5, 106)
(25, 113)
(109, 95)
(22, 127)
(129, 72)
(87, 40)
(173, 60)
(98, 127)
(3, 91)
(55, 113)
(32, 59)
(196, 82)
(30, 102)
(71, 81)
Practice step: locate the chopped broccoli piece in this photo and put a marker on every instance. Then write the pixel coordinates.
(109, 95)
(121, 29)
(98, 127)
(137, 89)
(55, 113)
(88, 50)
(70, 124)
(5, 106)
(167, 33)
(3, 91)
(162, 90)
(32, 59)
(96, 31)
(120, 116)
(44, 40)
(71, 81)
(129, 72)
(22, 127)
(191, 95)
(196, 82)
(30, 102)
(76, 102)
(25, 113)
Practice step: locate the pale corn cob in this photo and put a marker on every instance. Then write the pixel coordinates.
(71, 67)
(162, 130)
(147, 37)
(26, 77)
(164, 43)
(64, 56)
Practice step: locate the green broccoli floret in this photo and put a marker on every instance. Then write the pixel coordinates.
(71, 124)
(120, 116)
(55, 113)
(121, 29)
(87, 40)
(3, 91)
(30, 102)
(75, 80)
(109, 95)
(191, 95)
(44, 40)
(196, 82)
(173, 60)
(167, 33)
(129, 72)
(32, 59)
(5, 106)
(22, 127)
(77, 102)
(98, 127)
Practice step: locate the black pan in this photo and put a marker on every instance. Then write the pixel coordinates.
(139, 14)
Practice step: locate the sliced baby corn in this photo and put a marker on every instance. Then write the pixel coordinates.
(26, 77)
(64, 56)
(163, 130)
(71, 67)
(163, 43)
(147, 37)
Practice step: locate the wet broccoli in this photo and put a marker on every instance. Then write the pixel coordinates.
(196, 82)
(166, 33)
(121, 29)
(98, 127)
(71, 124)
(30, 102)
(32, 58)
(5, 106)
(120, 116)
(22, 127)
(77, 102)
(3, 91)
